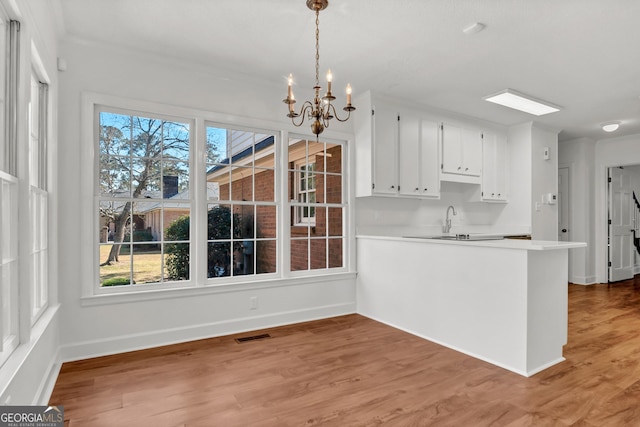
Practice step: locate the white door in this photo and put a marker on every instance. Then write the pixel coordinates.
(621, 225)
(563, 204)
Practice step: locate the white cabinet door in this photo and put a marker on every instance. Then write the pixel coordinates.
(502, 167)
(494, 167)
(385, 142)
(451, 149)
(429, 159)
(409, 150)
(461, 150)
(471, 152)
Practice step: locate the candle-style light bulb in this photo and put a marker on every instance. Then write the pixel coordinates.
(348, 93)
(329, 80)
(290, 89)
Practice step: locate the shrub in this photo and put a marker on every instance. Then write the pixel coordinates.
(116, 281)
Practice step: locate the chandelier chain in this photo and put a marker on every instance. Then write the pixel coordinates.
(317, 47)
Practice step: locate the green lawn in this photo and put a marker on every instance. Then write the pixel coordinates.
(146, 266)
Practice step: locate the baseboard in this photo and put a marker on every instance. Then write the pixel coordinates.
(583, 280)
(133, 342)
(45, 389)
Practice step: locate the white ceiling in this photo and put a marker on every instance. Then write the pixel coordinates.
(583, 55)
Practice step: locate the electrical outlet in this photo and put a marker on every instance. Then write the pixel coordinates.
(253, 303)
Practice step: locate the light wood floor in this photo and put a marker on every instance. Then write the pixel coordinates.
(352, 371)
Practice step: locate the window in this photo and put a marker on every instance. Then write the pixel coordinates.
(144, 199)
(9, 196)
(241, 205)
(317, 204)
(248, 209)
(8, 265)
(305, 189)
(38, 119)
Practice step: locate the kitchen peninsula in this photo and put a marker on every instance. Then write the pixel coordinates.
(501, 301)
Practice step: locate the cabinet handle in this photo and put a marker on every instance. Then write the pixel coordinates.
(459, 167)
(493, 194)
(498, 194)
(426, 189)
(393, 186)
(466, 169)
(417, 189)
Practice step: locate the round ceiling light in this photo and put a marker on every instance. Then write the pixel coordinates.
(610, 126)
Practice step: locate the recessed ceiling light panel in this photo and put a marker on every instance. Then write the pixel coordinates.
(519, 101)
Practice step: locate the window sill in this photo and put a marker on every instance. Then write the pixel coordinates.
(208, 289)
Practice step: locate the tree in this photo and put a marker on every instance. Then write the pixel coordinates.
(135, 152)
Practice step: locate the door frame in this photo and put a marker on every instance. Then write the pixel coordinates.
(610, 227)
(569, 167)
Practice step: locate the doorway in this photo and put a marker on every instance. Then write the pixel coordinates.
(622, 222)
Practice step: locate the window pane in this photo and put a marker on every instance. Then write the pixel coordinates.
(318, 249)
(115, 134)
(243, 258)
(117, 272)
(333, 188)
(147, 221)
(177, 261)
(245, 222)
(175, 179)
(175, 141)
(216, 145)
(115, 178)
(266, 256)
(334, 221)
(146, 176)
(242, 186)
(175, 220)
(147, 263)
(219, 222)
(219, 259)
(264, 185)
(219, 183)
(299, 254)
(266, 221)
(335, 253)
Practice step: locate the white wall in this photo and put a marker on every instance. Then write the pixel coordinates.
(28, 375)
(90, 327)
(544, 180)
(622, 151)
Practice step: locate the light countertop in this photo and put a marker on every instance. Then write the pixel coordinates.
(530, 245)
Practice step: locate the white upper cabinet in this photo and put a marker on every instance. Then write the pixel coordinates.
(419, 160)
(385, 149)
(461, 153)
(494, 160)
(397, 153)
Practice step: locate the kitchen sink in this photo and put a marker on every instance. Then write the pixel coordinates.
(462, 237)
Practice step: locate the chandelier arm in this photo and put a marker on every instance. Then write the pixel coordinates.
(335, 114)
(304, 108)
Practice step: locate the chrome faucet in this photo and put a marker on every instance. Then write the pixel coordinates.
(446, 228)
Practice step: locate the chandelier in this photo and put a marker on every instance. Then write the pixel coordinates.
(321, 110)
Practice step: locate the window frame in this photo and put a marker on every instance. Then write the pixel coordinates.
(300, 219)
(93, 294)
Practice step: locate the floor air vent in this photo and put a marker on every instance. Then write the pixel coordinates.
(253, 338)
